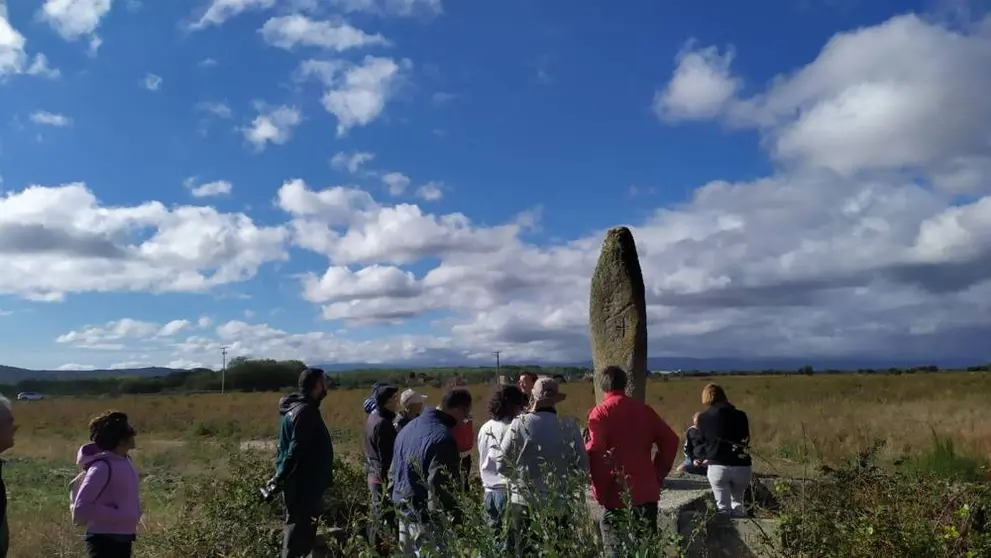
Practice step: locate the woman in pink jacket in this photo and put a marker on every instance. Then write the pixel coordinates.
(106, 498)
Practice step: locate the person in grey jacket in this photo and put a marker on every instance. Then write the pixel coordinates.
(544, 459)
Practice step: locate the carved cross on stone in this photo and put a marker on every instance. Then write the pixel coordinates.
(621, 326)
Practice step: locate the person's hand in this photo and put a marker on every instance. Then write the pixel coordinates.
(705, 462)
(697, 462)
(586, 435)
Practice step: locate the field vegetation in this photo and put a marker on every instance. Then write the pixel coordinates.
(908, 433)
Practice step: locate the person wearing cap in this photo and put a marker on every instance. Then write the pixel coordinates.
(369, 403)
(621, 464)
(425, 472)
(544, 459)
(380, 436)
(411, 405)
(7, 430)
(304, 462)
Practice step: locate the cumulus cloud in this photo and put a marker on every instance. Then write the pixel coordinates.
(73, 19)
(208, 189)
(14, 58)
(291, 31)
(46, 118)
(273, 125)
(396, 182)
(833, 253)
(357, 93)
(352, 162)
(431, 191)
(219, 11)
(905, 94)
(60, 239)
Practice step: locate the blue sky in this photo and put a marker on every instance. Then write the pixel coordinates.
(429, 180)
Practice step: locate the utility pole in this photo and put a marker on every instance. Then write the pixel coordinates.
(223, 371)
(498, 368)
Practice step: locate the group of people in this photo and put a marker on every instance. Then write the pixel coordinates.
(419, 458)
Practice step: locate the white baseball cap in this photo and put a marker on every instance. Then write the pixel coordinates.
(410, 397)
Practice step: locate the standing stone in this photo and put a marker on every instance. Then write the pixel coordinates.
(618, 313)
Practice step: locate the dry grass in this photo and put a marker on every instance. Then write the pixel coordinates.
(795, 422)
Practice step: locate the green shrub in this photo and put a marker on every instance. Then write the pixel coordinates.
(943, 461)
(861, 510)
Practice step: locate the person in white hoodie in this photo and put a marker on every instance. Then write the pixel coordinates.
(506, 403)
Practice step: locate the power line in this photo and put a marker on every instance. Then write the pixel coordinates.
(223, 371)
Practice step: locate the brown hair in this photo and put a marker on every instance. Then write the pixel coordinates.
(109, 429)
(613, 378)
(712, 393)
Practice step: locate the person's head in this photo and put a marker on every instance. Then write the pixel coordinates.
(712, 394)
(412, 402)
(313, 383)
(695, 419)
(506, 403)
(526, 381)
(457, 403)
(546, 393)
(613, 379)
(110, 431)
(7, 426)
(387, 397)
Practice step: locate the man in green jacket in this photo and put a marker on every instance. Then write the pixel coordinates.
(7, 429)
(304, 462)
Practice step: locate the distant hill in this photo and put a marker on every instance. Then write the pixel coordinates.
(12, 374)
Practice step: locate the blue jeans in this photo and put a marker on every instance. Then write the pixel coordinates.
(495, 502)
(690, 468)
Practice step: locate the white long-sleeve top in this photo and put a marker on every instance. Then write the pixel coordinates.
(489, 452)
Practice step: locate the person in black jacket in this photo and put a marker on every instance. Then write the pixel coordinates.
(7, 429)
(425, 471)
(725, 450)
(304, 463)
(380, 436)
(694, 445)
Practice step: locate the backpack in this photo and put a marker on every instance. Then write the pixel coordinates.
(78, 480)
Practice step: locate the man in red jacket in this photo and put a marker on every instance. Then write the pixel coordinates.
(621, 435)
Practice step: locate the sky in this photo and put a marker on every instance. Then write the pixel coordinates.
(428, 181)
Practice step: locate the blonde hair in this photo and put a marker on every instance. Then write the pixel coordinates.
(712, 393)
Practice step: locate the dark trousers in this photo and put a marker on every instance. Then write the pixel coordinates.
(303, 509)
(621, 526)
(108, 546)
(524, 540)
(465, 472)
(382, 527)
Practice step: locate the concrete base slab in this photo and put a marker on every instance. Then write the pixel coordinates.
(722, 537)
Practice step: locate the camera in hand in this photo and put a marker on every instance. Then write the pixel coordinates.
(270, 490)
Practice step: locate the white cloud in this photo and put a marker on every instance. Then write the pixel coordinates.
(357, 94)
(219, 11)
(431, 191)
(905, 94)
(46, 118)
(701, 85)
(58, 240)
(396, 182)
(291, 31)
(204, 322)
(208, 189)
(173, 327)
(207, 63)
(352, 162)
(74, 19)
(400, 8)
(76, 367)
(152, 82)
(272, 126)
(13, 57)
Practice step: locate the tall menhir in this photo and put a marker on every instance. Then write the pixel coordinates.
(618, 312)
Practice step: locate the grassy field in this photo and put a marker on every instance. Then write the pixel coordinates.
(796, 422)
